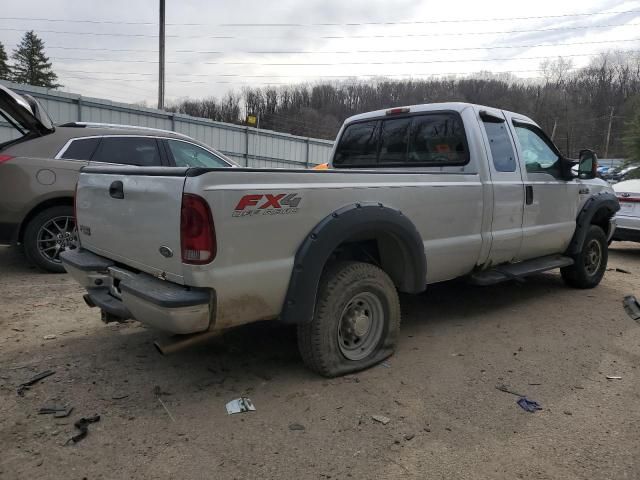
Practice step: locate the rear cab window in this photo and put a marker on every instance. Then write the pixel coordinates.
(421, 139)
(139, 151)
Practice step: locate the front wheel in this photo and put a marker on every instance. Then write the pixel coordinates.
(355, 323)
(590, 263)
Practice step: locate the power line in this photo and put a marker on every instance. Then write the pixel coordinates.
(327, 24)
(270, 76)
(60, 47)
(497, 47)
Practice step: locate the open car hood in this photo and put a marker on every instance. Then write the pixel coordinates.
(25, 112)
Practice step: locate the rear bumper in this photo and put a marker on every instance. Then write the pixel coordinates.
(626, 235)
(627, 229)
(127, 294)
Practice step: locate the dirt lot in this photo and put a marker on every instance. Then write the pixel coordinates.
(554, 344)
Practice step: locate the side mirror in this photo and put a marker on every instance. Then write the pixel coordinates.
(588, 165)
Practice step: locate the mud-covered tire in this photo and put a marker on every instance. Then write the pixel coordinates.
(34, 244)
(356, 302)
(591, 263)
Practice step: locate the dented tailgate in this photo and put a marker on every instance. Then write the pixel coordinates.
(132, 216)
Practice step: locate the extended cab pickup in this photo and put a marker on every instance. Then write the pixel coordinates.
(413, 196)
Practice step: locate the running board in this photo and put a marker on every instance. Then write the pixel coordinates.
(517, 271)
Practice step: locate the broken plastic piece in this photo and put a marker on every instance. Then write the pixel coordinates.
(632, 307)
(58, 412)
(240, 405)
(25, 386)
(613, 377)
(528, 405)
(381, 419)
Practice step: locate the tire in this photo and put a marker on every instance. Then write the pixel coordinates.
(355, 323)
(47, 234)
(591, 263)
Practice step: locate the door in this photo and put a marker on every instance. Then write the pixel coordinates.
(550, 207)
(507, 185)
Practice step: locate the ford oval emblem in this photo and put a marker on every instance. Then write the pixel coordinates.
(166, 252)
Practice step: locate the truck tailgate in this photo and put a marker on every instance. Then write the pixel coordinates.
(132, 216)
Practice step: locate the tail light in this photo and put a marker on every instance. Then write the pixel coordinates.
(5, 158)
(628, 198)
(197, 233)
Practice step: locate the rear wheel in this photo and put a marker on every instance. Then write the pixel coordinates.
(590, 264)
(356, 320)
(48, 234)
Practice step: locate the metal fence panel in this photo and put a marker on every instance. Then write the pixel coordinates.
(246, 146)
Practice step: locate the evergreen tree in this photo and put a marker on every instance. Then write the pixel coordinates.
(5, 71)
(31, 65)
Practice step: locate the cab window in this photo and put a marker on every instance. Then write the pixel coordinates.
(537, 153)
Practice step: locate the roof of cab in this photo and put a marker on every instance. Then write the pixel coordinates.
(428, 107)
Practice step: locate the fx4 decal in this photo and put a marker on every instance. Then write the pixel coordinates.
(267, 204)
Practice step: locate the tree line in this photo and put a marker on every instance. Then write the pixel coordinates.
(29, 63)
(596, 107)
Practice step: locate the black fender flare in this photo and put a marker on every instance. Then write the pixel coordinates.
(597, 208)
(343, 224)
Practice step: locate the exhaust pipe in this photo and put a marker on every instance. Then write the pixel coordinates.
(176, 343)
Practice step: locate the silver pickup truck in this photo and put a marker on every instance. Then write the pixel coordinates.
(413, 196)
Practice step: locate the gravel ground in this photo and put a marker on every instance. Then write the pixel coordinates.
(447, 419)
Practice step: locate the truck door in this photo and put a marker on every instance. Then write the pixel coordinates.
(507, 184)
(550, 201)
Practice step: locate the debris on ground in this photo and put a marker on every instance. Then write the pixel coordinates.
(386, 364)
(528, 405)
(632, 307)
(18, 329)
(83, 426)
(51, 336)
(505, 389)
(409, 436)
(240, 405)
(622, 270)
(119, 396)
(57, 411)
(381, 419)
(35, 379)
(296, 426)
(613, 377)
(568, 412)
(158, 392)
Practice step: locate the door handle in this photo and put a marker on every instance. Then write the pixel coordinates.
(528, 194)
(116, 190)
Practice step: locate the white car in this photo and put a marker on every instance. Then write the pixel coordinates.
(628, 217)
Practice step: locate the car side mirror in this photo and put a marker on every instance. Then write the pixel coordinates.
(587, 165)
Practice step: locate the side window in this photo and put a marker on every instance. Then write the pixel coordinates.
(394, 139)
(438, 138)
(358, 145)
(139, 151)
(504, 159)
(190, 155)
(81, 149)
(537, 154)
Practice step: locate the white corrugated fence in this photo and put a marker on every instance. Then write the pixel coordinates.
(247, 146)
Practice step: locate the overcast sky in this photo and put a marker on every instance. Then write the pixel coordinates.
(109, 49)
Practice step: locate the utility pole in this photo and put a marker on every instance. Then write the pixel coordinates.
(606, 147)
(161, 59)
